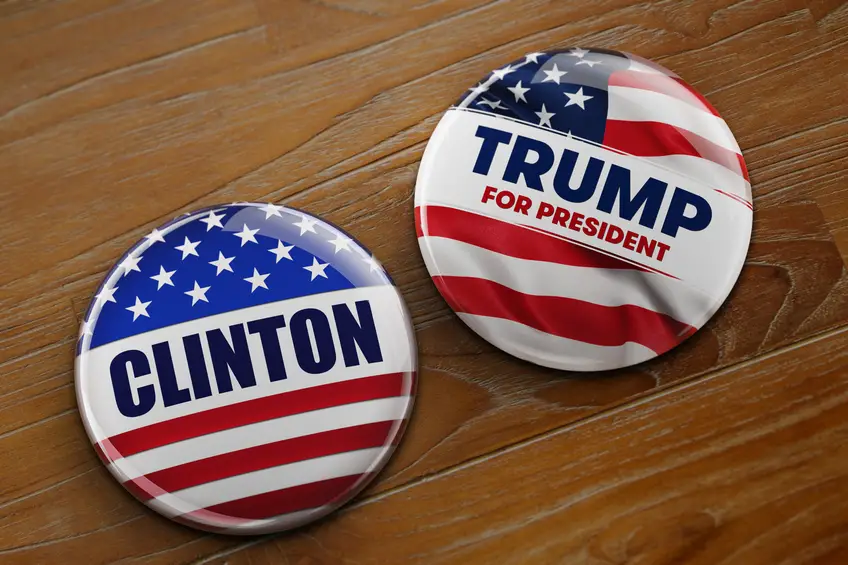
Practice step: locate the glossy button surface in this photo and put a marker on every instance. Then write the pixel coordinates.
(583, 209)
(246, 368)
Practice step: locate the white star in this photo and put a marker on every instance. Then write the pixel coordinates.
(107, 295)
(518, 91)
(198, 293)
(554, 74)
(317, 269)
(130, 264)
(493, 104)
(501, 73)
(534, 57)
(545, 116)
(213, 220)
(588, 62)
(222, 263)
(257, 280)
(577, 52)
(578, 99)
(154, 236)
(373, 264)
(271, 210)
(188, 248)
(480, 89)
(246, 234)
(139, 309)
(282, 251)
(163, 278)
(306, 224)
(341, 242)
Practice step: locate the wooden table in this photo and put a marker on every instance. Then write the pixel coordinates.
(731, 449)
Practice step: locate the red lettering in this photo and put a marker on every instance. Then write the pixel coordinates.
(630, 240)
(663, 248)
(576, 221)
(523, 204)
(591, 227)
(505, 199)
(646, 246)
(561, 217)
(544, 210)
(489, 193)
(615, 234)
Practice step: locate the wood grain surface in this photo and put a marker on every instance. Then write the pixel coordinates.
(731, 449)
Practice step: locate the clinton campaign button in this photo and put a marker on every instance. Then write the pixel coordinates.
(246, 369)
(583, 209)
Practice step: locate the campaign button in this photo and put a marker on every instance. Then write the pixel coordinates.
(583, 209)
(246, 368)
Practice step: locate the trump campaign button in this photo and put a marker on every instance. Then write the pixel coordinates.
(246, 368)
(583, 209)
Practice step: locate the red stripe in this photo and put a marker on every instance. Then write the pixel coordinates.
(655, 139)
(515, 240)
(670, 86)
(261, 457)
(565, 317)
(143, 489)
(418, 230)
(284, 501)
(258, 410)
(101, 453)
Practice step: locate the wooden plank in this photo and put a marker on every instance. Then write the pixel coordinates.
(252, 117)
(749, 465)
(153, 145)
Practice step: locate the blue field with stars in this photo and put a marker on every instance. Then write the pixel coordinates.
(224, 259)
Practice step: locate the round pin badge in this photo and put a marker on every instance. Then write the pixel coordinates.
(246, 369)
(583, 209)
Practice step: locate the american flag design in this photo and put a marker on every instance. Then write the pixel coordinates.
(246, 368)
(583, 209)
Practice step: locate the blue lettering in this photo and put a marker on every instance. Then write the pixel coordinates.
(353, 333)
(317, 320)
(649, 197)
(588, 183)
(235, 358)
(686, 209)
(676, 217)
(121, 383)
(171, 392)
(312, 337)
(197, 366)
(492, 138)
(532, 170)
(267, 330)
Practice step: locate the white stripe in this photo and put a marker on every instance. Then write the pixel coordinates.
(261, 433)
(96, 397)
(607, 287)
(269, 480)
(446, 178)
(706, 172)
(554, 351)
(637, 105)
